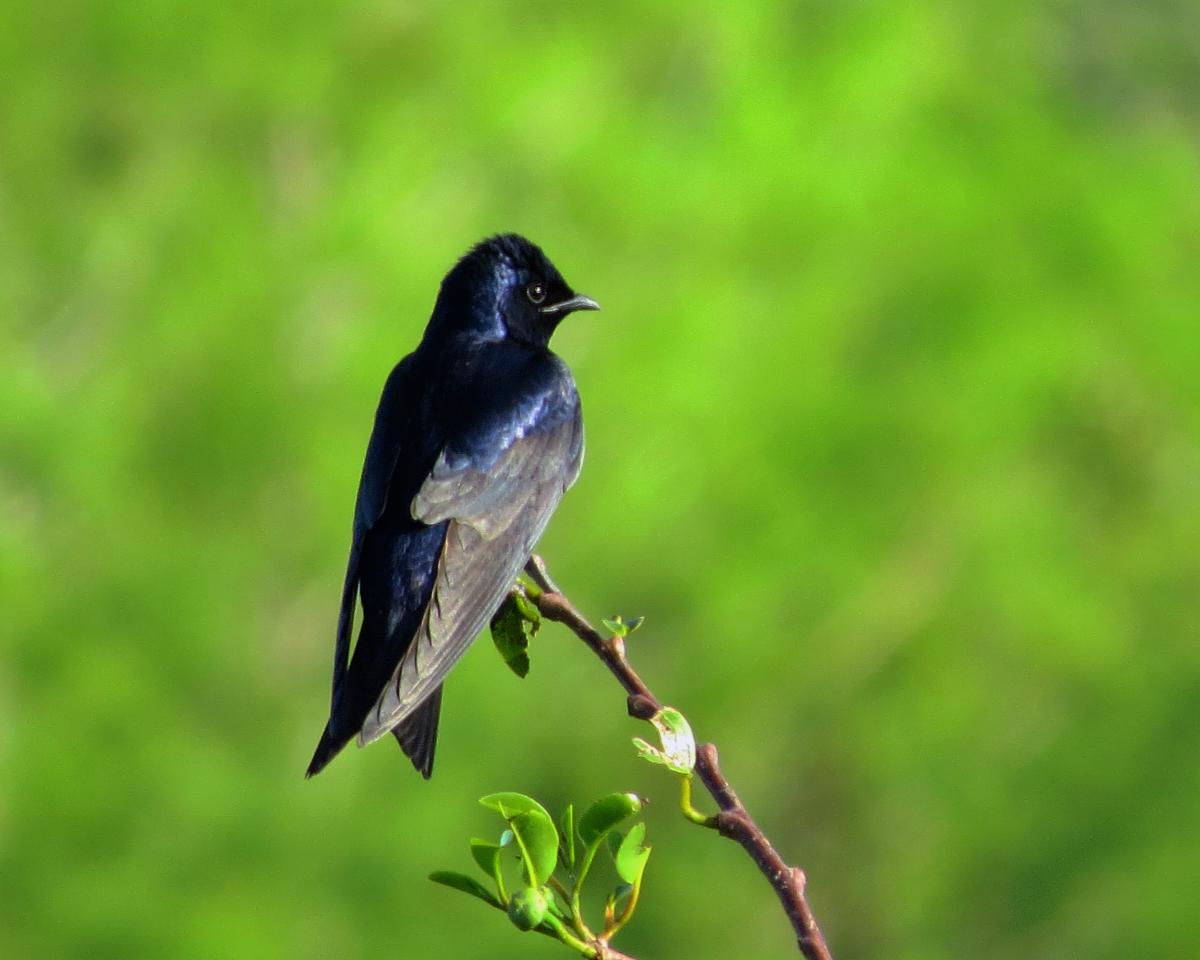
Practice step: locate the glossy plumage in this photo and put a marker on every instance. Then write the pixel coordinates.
(477, 436)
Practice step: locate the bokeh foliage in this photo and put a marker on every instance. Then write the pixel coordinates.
(893, 437)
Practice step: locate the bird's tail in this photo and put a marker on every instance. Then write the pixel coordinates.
(417, 733)
(327, 749)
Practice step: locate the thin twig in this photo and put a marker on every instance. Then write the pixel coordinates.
(733, 821)
(601, 949)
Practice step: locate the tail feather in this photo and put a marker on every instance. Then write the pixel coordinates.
(417, 734)
(327, 749)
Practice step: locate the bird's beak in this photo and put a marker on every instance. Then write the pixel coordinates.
(577, 302)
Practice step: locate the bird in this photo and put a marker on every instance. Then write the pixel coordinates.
(477, 436)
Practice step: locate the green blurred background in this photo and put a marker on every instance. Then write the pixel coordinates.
(892, 436)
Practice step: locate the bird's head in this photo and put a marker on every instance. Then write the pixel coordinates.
(506, 287)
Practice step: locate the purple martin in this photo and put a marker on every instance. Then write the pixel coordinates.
(477, 436)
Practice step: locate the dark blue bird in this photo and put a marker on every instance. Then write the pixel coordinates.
(477, 436)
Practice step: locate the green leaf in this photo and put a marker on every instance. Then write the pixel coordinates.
(508, 804)
(528, 586)
(616, 627)
(533, 829)
(631, 856)
(567, 845)
(649, 753)
(487, 855)
(620, 627)
(460, 881)
(678, 751)
(605, 814)
(538, 840)
(531, 614)
(614, 842)
(511, 630)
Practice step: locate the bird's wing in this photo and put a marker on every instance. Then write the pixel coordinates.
(383, 451)
(498, 501)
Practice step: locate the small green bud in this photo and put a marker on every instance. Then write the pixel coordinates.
(528, 908)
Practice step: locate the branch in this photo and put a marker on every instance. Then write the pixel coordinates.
(600, 950)
(608, 953)
(734, 821)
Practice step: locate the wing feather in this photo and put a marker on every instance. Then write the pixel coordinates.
(383, 450)
(497, 511)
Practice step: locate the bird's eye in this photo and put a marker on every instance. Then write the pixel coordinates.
(536, 292)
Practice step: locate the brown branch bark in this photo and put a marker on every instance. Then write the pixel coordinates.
(733, 820)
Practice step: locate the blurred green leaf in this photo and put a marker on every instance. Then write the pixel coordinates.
(538, 839)
(509, 804)
(620, 895)
(487, 855)
(533, 830)
(613, 839)
(605, 814)
(460, 881)
(631, 856)
(511, 629)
